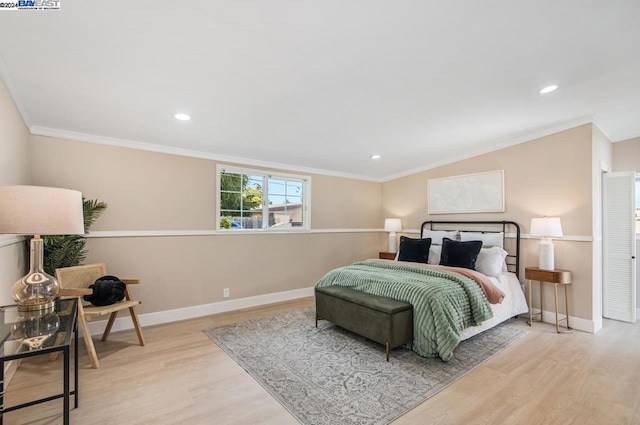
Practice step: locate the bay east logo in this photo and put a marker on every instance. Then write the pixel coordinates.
(30, 5)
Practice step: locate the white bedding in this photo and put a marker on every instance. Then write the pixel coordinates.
(514, 303)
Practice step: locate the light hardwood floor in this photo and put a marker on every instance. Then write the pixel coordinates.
(181, 377)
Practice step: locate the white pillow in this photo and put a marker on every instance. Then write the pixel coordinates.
(488, 239)
(437, 235)
(434, 254)
(491, 261)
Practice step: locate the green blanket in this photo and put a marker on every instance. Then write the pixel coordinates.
(444, 303)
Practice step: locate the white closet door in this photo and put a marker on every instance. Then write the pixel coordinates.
(619, 246)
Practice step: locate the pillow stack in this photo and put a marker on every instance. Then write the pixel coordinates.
(477, 251)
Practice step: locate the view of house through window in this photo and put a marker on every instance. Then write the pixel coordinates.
(249, 199)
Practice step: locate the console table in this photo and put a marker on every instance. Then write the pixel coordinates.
(555, 277)
(26, 334)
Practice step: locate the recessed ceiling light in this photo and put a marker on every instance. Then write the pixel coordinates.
(376, 156)
(182, 117)
(548, 89)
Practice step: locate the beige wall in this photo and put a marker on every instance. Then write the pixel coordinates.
(154, 191)
(157, 191)
(14, 169)
(180, 272)
(14, 142)
(552, 175)
(143, 190)
(626, 157)
(549, 176)
(345, 203)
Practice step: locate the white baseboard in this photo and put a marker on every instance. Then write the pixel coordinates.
(576, 323)
(148, 319)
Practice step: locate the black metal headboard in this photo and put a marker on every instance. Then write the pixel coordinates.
(506, 227)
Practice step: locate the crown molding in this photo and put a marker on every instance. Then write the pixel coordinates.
(130, 144)
(505, 143)
(37, 130)
(625, 139)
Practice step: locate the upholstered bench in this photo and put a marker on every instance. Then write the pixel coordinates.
(380, 319)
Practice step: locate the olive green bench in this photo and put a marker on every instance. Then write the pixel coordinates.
(380, 319)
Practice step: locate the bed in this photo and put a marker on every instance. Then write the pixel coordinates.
(448, 306)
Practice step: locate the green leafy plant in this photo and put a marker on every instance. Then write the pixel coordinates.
(225, 222)
(70, 250)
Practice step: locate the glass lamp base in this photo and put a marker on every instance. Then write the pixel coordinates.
(44, 306)
(37, 290)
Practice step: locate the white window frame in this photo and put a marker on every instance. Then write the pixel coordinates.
(306, 199)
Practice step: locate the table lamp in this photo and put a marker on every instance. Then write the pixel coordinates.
(546, 228)
(392, 225)
(38, 210)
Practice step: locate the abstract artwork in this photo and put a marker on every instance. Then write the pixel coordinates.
(470, 193)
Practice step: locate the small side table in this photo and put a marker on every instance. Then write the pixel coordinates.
(27, 335)
(556, 277)
(387, 255)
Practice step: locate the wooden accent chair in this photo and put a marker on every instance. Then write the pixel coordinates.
(75, 281)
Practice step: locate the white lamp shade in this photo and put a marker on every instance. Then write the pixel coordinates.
(546, 227)
(392, 225)
(39, 210)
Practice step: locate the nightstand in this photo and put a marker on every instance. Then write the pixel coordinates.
(556, 277)
(387, 255)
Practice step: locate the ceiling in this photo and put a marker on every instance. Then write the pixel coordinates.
(322, 85)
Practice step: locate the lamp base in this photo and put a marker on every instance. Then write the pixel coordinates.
(392, 242)
(41, 307)
(546, 255)
(37, 290)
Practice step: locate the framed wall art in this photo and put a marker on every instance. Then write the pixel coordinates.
(470, 193)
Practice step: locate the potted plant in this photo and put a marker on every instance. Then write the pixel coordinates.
(70, 250)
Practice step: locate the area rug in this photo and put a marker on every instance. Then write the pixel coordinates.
(329, 376)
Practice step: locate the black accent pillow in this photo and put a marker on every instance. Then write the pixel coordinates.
(106, 290)
(416, 250)
(460, 254)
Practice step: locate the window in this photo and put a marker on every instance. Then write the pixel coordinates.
(257, 199)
